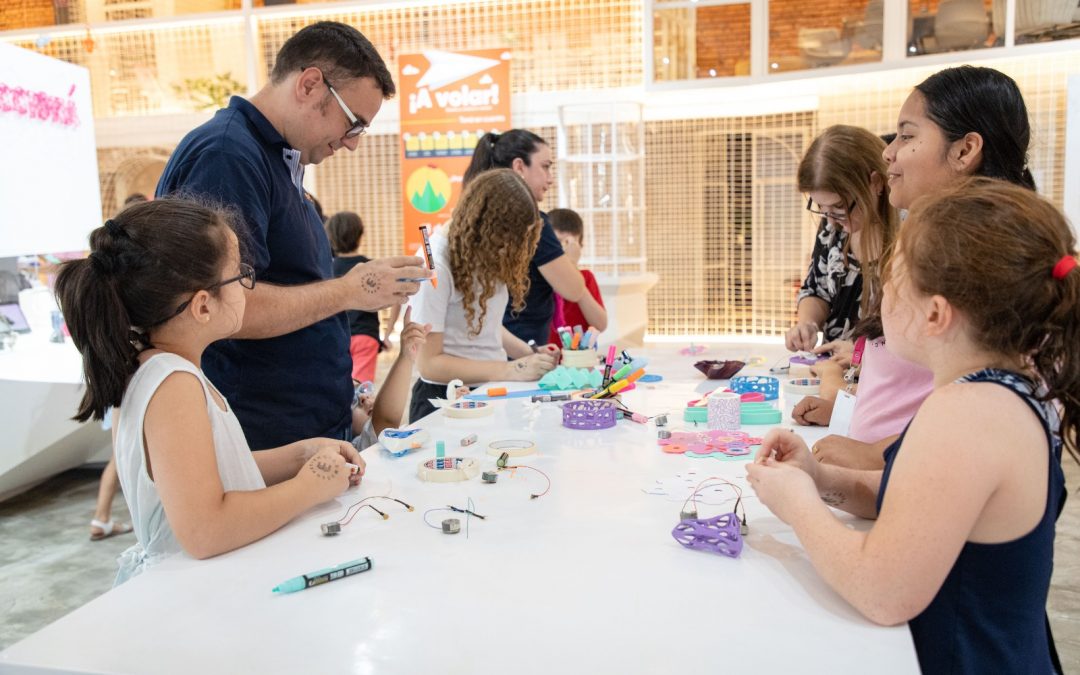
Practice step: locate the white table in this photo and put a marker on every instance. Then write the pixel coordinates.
(41, 384)
(586, 579)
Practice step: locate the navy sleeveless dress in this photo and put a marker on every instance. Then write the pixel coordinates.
(990, 614)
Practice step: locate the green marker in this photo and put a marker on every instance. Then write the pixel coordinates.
(324, 576)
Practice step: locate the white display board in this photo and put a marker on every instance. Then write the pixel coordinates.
(50, 197)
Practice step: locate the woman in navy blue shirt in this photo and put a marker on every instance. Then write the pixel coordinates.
(550, 271)
(983, 292)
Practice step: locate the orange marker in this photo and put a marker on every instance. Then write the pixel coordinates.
(427, 254)
(576, 341)
(634, 375)
(496, 391)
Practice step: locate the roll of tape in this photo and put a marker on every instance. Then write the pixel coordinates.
(467, 409)
(803, 386)
(512, 448)
(454, 469)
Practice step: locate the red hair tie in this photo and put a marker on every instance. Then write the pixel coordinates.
(1064, 266)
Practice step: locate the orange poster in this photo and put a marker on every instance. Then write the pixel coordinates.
(448, 101)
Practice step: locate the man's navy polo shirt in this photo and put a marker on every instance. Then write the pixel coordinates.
(294, 386)
(533, 322)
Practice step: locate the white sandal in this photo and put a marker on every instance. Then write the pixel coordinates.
(108, 529)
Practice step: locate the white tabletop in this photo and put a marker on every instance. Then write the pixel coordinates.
(35, 359)
(584, 579)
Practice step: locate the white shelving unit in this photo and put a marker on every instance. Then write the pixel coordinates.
(602, 177)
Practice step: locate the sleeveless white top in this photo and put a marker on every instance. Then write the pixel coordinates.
(236, 466)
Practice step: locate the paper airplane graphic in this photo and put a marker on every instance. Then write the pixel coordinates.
(447, 68)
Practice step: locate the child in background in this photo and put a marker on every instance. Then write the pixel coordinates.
(163, 281)
(373, 413)
(345, 231)
(482, 261)
(984, 293)
(589, 311)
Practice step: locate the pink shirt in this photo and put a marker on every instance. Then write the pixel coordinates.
(890, 391)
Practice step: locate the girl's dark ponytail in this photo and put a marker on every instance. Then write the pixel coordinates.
(141, 266)
(100, 328)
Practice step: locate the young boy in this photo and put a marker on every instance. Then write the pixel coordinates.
(590, 310)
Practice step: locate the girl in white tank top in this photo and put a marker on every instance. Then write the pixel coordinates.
(163, 281)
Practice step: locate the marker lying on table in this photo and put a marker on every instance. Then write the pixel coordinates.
(324, 576)
(427, 254)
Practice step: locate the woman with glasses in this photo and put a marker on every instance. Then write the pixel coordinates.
(163, 281)
(843, 176)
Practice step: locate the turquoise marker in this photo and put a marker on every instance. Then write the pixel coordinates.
(440, 454)
(323, 576)
(565, 339)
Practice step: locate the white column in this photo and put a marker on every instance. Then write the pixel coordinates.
(1071, 200)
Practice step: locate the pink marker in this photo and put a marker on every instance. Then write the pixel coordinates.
(610, 361)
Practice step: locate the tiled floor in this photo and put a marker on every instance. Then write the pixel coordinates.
(48, 565)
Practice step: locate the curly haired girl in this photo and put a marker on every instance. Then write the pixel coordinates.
(487, 249)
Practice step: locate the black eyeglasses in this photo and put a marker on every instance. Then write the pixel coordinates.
(246, 279)
(358, 127)
(837, 216)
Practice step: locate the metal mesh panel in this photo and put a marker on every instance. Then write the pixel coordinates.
(726, 232)
(556, 44)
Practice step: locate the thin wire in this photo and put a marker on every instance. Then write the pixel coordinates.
(723, 481)
(469, 508)
(384, 516)
(546, 477)
(358, 505)
(437, 527)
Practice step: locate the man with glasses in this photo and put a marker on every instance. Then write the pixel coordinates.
(287, 375)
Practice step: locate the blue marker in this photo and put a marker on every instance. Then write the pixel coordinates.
(323, 576)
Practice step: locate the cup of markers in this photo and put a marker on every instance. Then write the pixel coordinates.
(578, 347)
